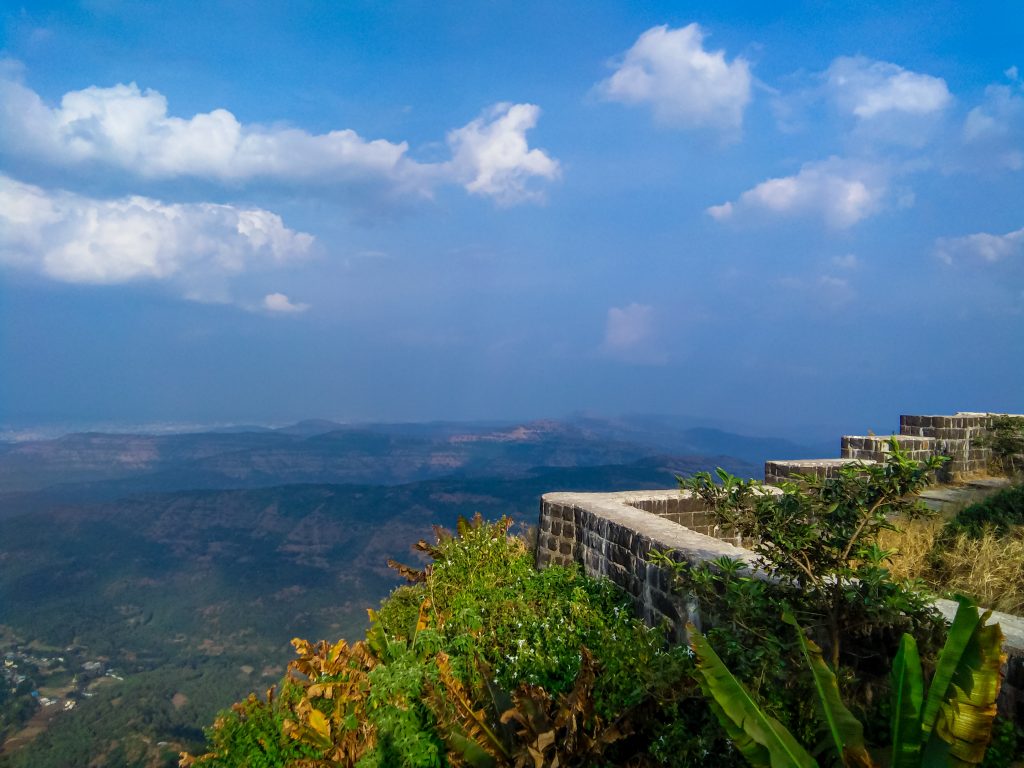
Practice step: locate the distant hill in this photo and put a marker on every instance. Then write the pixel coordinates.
(98, 465)
(676, 436)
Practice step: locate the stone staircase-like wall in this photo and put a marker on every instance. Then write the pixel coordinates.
(612, 535)
(921, 437)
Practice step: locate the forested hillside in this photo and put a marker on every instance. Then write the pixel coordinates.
(182, 601)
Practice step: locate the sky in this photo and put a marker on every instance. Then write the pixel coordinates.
(803, 213)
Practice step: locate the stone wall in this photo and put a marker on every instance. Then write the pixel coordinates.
(779, 470)
(612, 536)
(955, 436)
(877, 447)
(920, 437)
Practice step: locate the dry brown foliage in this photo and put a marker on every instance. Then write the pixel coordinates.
(990, 569)
(339, 674)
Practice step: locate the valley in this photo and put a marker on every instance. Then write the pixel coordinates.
(179, 567)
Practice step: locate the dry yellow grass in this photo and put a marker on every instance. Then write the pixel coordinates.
(989, 569)
(912, 545)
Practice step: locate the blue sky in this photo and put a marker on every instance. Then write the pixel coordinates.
(785, 213)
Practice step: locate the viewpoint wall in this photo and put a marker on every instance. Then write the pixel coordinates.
(612, 535)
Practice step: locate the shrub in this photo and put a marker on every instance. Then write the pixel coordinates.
(482, 660)
(1001, 511)
(818, 541)
(948, 722)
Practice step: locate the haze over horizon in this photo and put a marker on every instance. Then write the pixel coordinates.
(805, 214)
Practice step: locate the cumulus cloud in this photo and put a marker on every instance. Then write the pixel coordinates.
(684, 84)
(279, 302)
(77, 239)
(981, 246)
(870, 89)
(629, 335)
(492, 157)
(130, 129)
(996, 125)
(841, 192)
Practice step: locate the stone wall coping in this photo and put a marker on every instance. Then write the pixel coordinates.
(986, 413)
(664, 534)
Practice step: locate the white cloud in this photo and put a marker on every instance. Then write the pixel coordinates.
(843, 193)
(278, 302)
(870, 89)
(77, 239)
(629, 334)
(492, 157)
(997, 124)
(130, 129)
(846, 261)
(981, 246)
(669, 70)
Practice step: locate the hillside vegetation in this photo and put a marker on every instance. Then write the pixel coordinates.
(480, 660)
(188, 597)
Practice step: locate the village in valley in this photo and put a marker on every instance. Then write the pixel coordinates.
(38, 683)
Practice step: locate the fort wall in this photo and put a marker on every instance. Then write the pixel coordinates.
(612, 535)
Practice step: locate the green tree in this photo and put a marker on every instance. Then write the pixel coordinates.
(820, 537)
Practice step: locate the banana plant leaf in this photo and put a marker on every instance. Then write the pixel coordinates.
(960, 633)
(843, 731)
(963, 726)
(760, 738)
(907, 700)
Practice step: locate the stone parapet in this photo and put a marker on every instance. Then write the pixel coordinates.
(778, 470)
(877, 447)
(920, 437)
(955, 436)
(612, 535)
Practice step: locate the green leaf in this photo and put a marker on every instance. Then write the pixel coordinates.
(760, 738)
(960, 633)
(843, 730)
(963, 727)
(907, 697)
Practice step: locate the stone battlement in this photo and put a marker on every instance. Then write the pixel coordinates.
(920, 437)
(612, 535)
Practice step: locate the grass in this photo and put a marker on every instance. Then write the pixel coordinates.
(988, 567)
